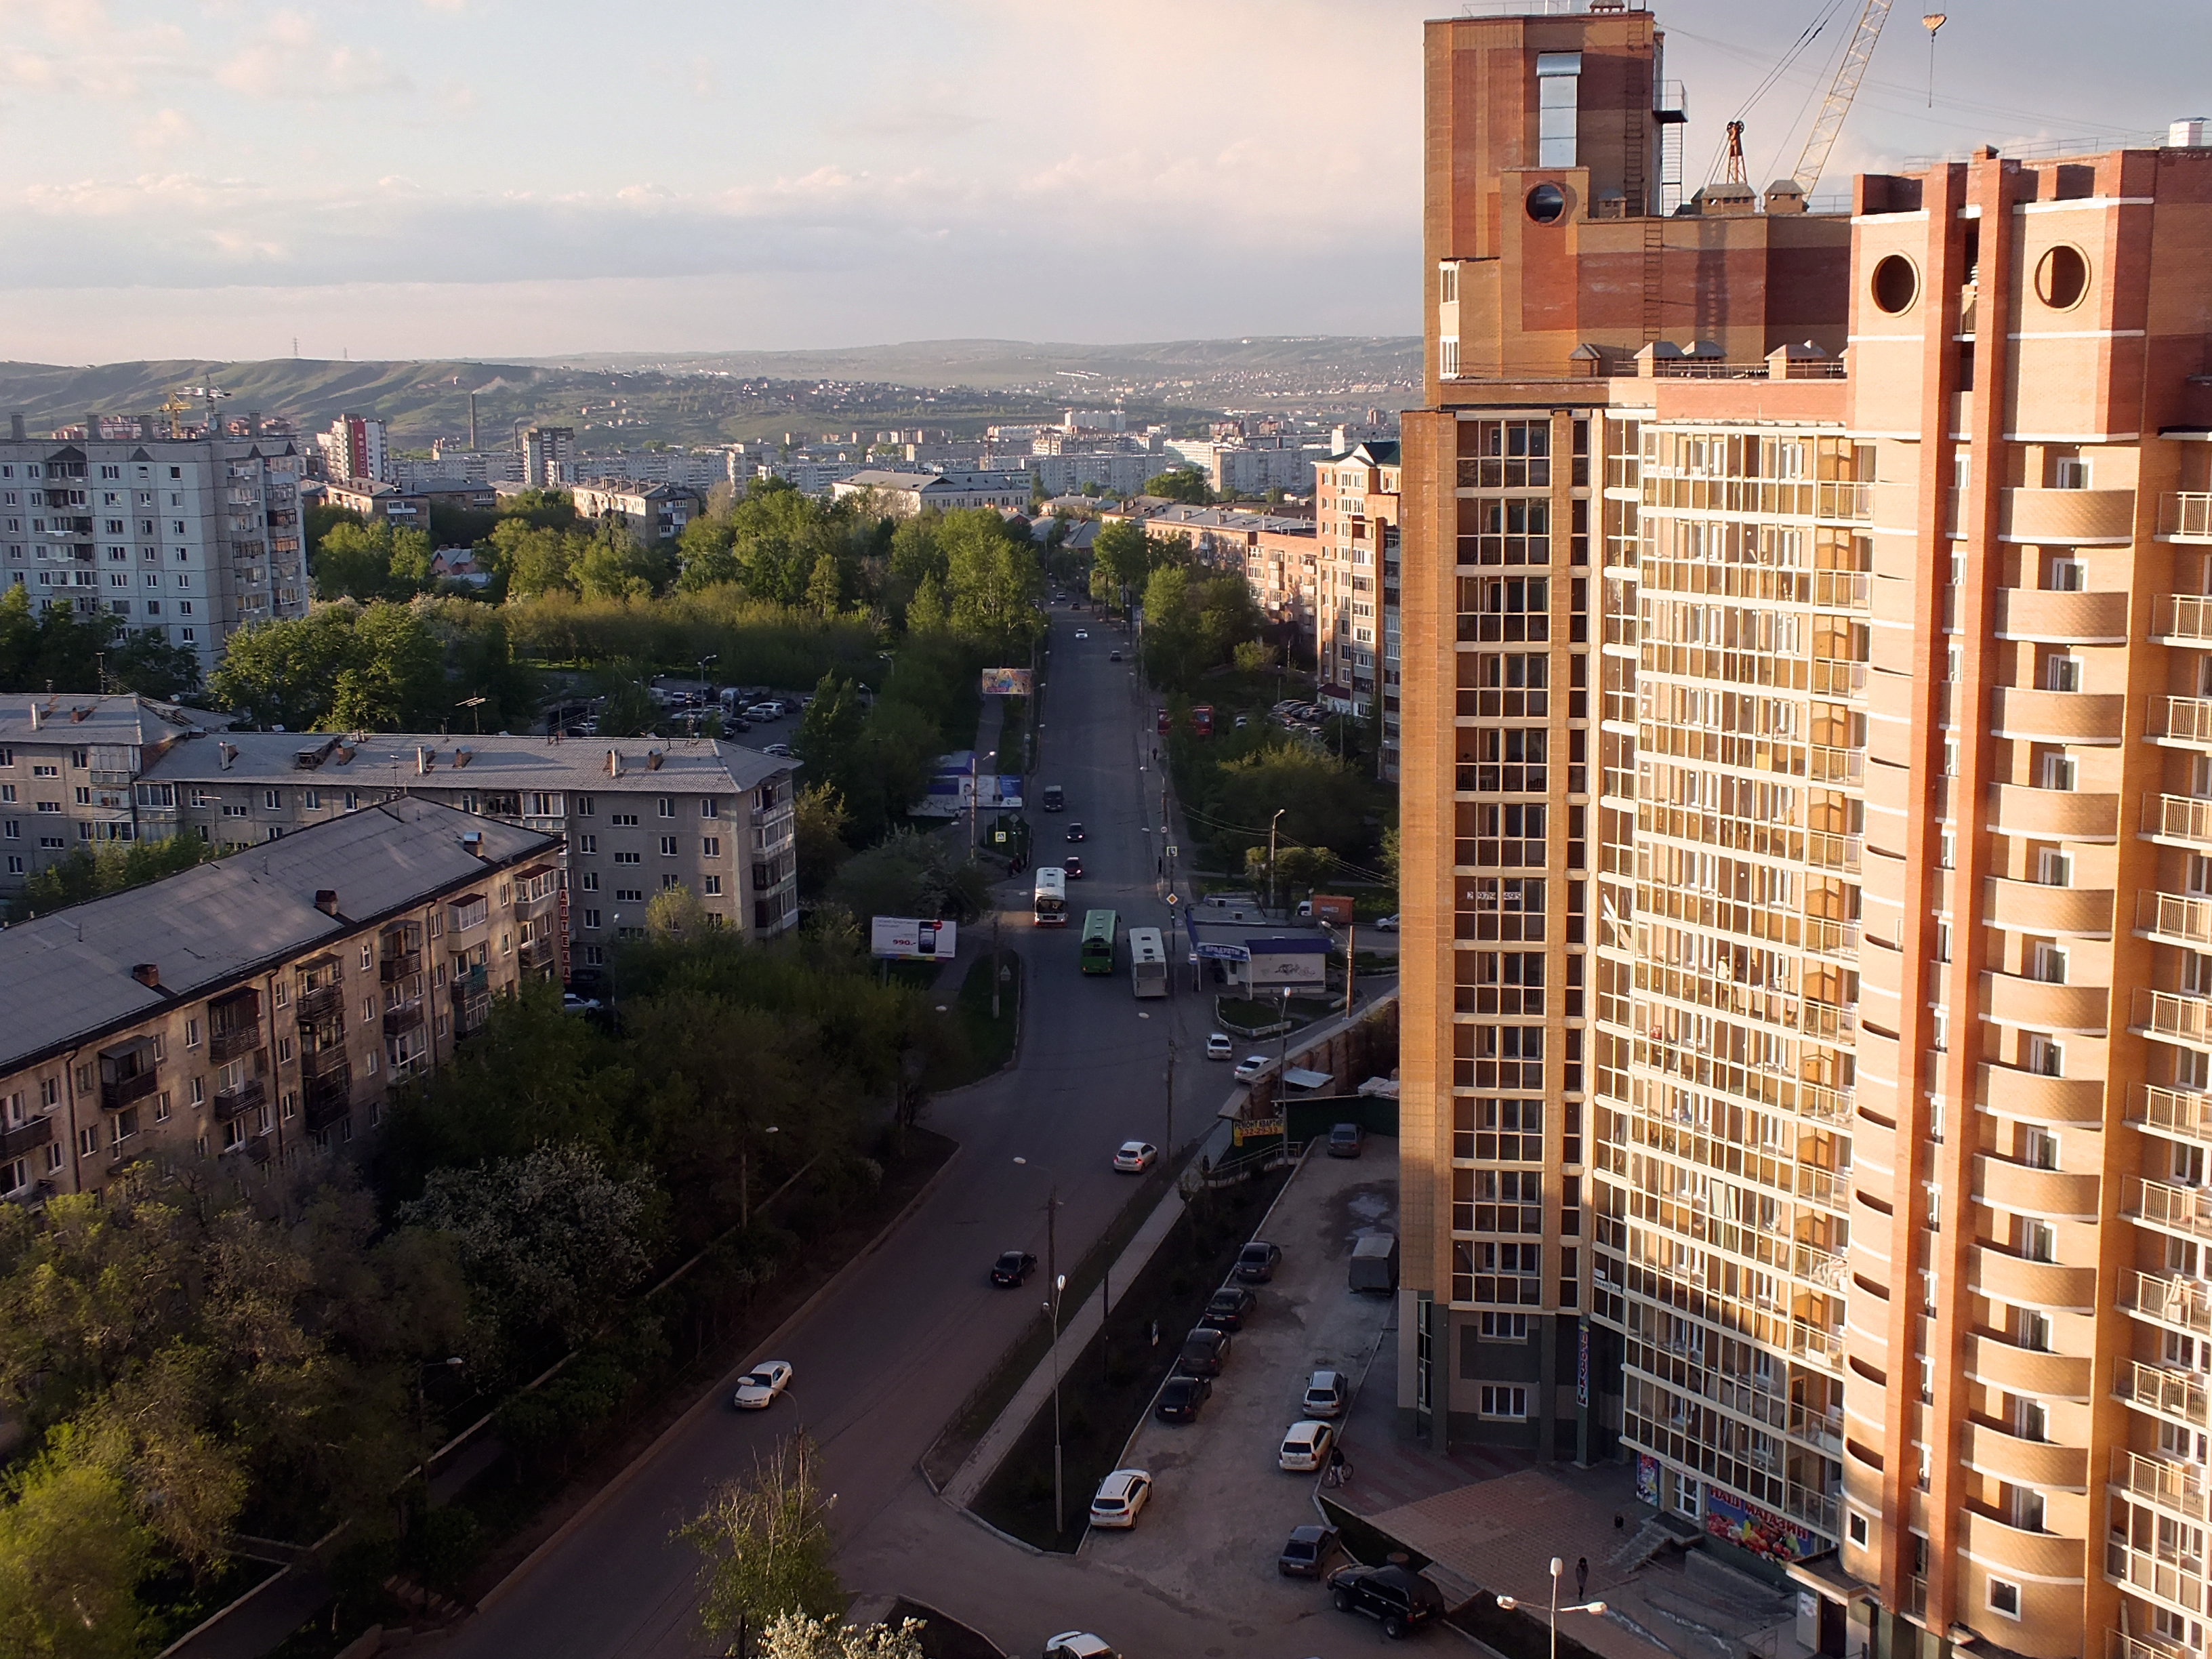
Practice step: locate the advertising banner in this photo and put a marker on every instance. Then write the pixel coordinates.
(1006, 682)
(903, 938)
(1761, 1531)
(1647, 1478)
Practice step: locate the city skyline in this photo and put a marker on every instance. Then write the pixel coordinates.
(378, 184)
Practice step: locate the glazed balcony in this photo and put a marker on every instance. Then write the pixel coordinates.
(2185, 515)
(2177, 1577)
(129, 1072)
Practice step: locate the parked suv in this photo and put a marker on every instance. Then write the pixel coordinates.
(1402, 1599)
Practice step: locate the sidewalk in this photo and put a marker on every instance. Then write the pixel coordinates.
(1075, 1334)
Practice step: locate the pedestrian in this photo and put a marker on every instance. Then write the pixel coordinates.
(1156, 1333)
(1582, 1577)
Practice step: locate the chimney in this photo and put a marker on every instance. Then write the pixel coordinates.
(326, 900)
(148, 974)
(472, 840)
(652, 759)
(252, 423)
(92, 429)
(35, 717)
(462, 757)
(15, 427)
(614, 763)
(425, 758)
(145, 428)
(227, 752)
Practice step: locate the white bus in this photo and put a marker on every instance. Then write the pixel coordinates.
(1148, 962)
(1052, 896)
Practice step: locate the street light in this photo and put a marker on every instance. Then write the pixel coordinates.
(423, 1413)
(1272, 823)
(1059, 1502)
(1559, 1566)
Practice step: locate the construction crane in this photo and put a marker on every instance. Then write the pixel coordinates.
(176, 407)
(1735, 174)
(1849, 73)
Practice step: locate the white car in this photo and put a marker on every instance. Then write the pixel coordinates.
(573, 1004)
(1217, 1046)
(1389, 923)
(1122, 1494)
(1078, 1644)
(1250, 1067)
(1135, 1156)
(780, 750)
(1082, 632)
(758, 1387)
(1305, 1447)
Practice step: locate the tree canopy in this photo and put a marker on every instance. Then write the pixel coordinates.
(66, 650)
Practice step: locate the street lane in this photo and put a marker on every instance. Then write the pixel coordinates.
(883, 1361)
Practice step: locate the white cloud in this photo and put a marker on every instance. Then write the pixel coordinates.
(288, 58)
(164, 130)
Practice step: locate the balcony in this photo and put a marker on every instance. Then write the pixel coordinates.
(2184, 1210)
(403, 1018)
(26, 1137)
(2006, 1277)
(2002, 1365)
(397, 965)
(2062, 618)
(234, 1041)
(323, 1002)
(2178, 1303)
(2173, 1017)
(2018, 1001)
(2177, 1488)
(2091, 717)
(2174, 919)
(470, 981)
(2044, 1099)
(2184, 516)
(2171, 1111)
(128, 1074)
(2183, 619)
(539, 953)
(2073, 516)
(248, 1097)
(2026, 1190)
(1845, 500)
(2178, 821)
(2083, 912)
(2018, 809)
(329, 1098)
(2177, 1397)
(2175, 1577)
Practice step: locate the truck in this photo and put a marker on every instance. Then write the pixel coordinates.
(1056, 798)
(1201, 719)
(1375, 1263)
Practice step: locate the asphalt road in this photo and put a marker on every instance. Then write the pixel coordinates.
(883, 1361)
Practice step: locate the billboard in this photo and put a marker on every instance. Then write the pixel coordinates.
(1741, 1522)
(1286, 962)
(1006, 682)
(1331, 908)
(903, 938)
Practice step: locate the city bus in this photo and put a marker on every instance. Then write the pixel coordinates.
(1100, 929)
(1052, 896)
(1148, 962)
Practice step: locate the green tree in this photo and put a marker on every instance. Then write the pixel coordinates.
(992, 579)
(1325, 802)
(1180, 484)
(94, 652)
(533, 559)
(795, 1636)
(821, 821)
(616, 565)
(284, 672)
(1252, 657)
(371, 562)
(1121, 556)
(766, 1546)
(72, 1552)
(90, 872)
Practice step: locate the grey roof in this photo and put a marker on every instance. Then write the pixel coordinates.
(387, 760)
(88, 718)
(65, 978)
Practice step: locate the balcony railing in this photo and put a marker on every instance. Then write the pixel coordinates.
(2177, 1488)
(2178, 817)
(2187, 720)
(398, 965)
(2177, 1576)
(329, 1098)
(404, 1017)
(227, 1045)
(2119, 1645)
(1816, 1346)
(312, 1007)
(247, 1096)
(2178, 1209)
(1816, 1267)
(2173, 1111)
(2178, 1395)
(26, 1137)
(2179, 1303)
(1829, 764)
(539, 952)
(2174, 918)
(2182, 619)
(116, 1093)
(1825, 937)
(470, 981)
(1844, 499)
(2185, 515)
(2170, 1015)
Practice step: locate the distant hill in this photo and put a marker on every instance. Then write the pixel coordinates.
(633, 398)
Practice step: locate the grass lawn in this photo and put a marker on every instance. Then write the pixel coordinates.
(985, 1045)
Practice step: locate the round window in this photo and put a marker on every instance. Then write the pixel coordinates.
(1896, 284)
(1546, 203)
(2061, 278)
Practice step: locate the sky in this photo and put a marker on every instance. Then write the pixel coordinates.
(225, 178)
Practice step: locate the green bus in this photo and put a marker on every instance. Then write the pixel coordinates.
(1100, 929)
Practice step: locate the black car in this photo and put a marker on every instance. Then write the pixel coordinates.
(1402, 1599)
(1181, 1397)
(1205, 1350)
(1012, 1267)
(1072, 867)
(1256, 1262)
(1227, 1312)
(1075, 832)
(1308, 1547)
(1346, 1139)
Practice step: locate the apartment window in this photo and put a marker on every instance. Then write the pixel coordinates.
(2058, 771)
(707, 808)
(622, 820)
(1559, 82)
(1954, 663)
(2069, 473)
(2004, 1596)
(1504, 1327)
(2045, 1057)
(589, 881)
(1943, 941)
(2039, 1240)
(2062, 574)
(2061, 671)
(2047, 962)
(668, 807)
(2054, 867)
(1854, 1529)
(713, 886)
(1448, 358)
(668, 847)
(591, 918)
(1501, 1401)
(629, 858)
(588, 843)
(710, 846)
(2034, 1329)
(584, 805)
(1946, 850)
(2038, 1147)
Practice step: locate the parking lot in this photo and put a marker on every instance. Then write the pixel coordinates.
(1220, 1507)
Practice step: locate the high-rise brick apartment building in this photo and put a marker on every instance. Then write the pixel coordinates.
(1808, 974)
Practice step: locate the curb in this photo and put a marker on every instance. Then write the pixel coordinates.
(1003, 1537)
(629, 1471)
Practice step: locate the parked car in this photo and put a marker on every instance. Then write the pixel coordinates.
(1346, 1139)
(1135, 1156)
(1075, 832)
(758, 1387)
(1229, 1308)
(1242, 722)
(1205, 1352)
(1303, 1555)
(573, 1004)
(1389, 923)
(781, 750)
(1078, 1644)
(1250, 1067)
(1305, 1447)
(1073, 866)
(1327, 1393)
(1120, 1498)
(1012, 1267)
(1257, 1262)
(1113, 656)
(764, 711)
(1180, 1397)
(1400, 1599)
(1217, 1046)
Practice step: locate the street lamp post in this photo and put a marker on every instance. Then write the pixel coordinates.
(423, 1413)
(701, 663)
(1559, 1566)
(1059, 1501)
(1272, 823)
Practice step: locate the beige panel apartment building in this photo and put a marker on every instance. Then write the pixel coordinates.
(1355, 603)
(252, 1010)
(1890, 1030)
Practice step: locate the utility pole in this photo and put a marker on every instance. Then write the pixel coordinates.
(1272, 823)
(1167, 1147)
(1052, 1272)
(998, 967)
(1350, 955)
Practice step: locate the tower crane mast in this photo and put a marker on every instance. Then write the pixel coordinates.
(1849, 73)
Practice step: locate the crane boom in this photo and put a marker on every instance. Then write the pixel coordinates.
(1849, 73)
